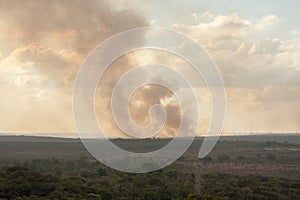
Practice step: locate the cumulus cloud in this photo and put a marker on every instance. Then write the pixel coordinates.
(210, 28)
(261, 73)
(266, 22)
(241, 54)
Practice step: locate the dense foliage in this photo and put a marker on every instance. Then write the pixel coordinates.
(45, 168)
(82, 179)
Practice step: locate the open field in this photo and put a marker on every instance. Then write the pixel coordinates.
(233, 155)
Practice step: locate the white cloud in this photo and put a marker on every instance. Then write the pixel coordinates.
(295, 32)
(224, 27)
(261, 73)
(241, 53)
(265, 47)
(266, 22)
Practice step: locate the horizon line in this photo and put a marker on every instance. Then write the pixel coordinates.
(196, 136)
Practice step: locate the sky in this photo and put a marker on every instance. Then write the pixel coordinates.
(255, 44)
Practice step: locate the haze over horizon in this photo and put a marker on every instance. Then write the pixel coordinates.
(256, 46)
